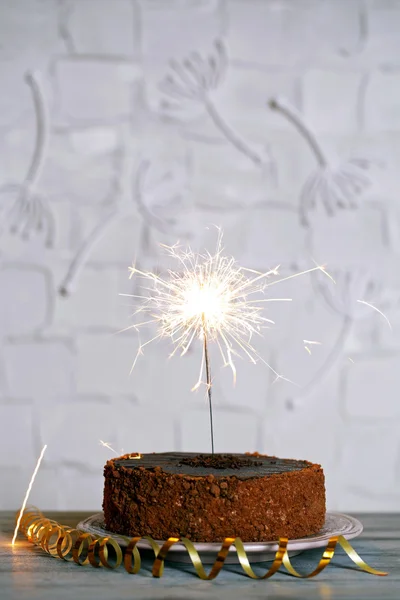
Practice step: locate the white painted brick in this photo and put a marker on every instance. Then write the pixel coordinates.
(243, 101)
(365, 449)
(94, 140)
(287, 33)
(257, 238)
(224, 178)
(25, 298)
(291, 318)
(16, 143)
(251, 388)
(254, 34)
(175, 377)
(233, 431)
(35, 22)
(16, 439)
(89, 485)
(159, 142)
(361, 234)
(46, 490)
(330, 100)
(385, 146)
(120, 423)
(388, 339)
(102, 28)
(16, 106)
(14, 248)
(310, 320)
(73, 432)
(45, 493)
(172, 30)
(15, 480)
(303, 432)
(74, 171)
(274, 236)
(358, 501)
(382, 98)
(383, 33)
(104, 364)
(43, 369)
(141, 429)
(64, 225)
(92, 303)
(165, 383)
(94, 91)
(294, 162)
(376, 378)
(119, 242)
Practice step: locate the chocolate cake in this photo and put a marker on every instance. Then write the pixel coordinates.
(209, 497)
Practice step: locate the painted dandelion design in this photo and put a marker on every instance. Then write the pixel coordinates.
(154, 201)
(334, 186)
(23, 211)
(193, 81)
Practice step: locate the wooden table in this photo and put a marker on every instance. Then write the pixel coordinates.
(27, 572)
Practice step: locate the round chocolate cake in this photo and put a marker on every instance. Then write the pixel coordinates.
(208, 497)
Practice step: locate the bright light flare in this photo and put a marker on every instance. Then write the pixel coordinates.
(28, 491)
(210, 297)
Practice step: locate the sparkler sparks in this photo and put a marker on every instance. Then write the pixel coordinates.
(107, 445)
(310, 343)
(377, 310)
(212, 299)
(28, 491)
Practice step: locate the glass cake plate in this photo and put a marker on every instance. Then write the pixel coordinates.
(335, 524)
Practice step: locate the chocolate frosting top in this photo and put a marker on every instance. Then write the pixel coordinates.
(246, 466)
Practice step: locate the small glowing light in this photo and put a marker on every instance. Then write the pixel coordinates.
(28, 491)
(211, 298)
(137, 456)
(350, 359)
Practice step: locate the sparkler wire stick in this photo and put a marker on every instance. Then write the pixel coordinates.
(208, 381)
(28, 491)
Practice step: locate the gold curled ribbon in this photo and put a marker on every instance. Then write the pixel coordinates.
(84, 548)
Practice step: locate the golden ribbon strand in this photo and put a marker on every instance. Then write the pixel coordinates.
(83, 548)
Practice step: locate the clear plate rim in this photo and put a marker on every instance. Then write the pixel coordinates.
(316, 541)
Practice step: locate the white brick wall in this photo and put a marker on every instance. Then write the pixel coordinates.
(64, 370)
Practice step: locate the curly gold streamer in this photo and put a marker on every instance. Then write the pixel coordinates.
(84, 548)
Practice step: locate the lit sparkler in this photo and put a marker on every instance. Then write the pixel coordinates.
(212, 299)
(28, 491)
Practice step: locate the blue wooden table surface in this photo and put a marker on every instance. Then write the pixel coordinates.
(27, 572)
